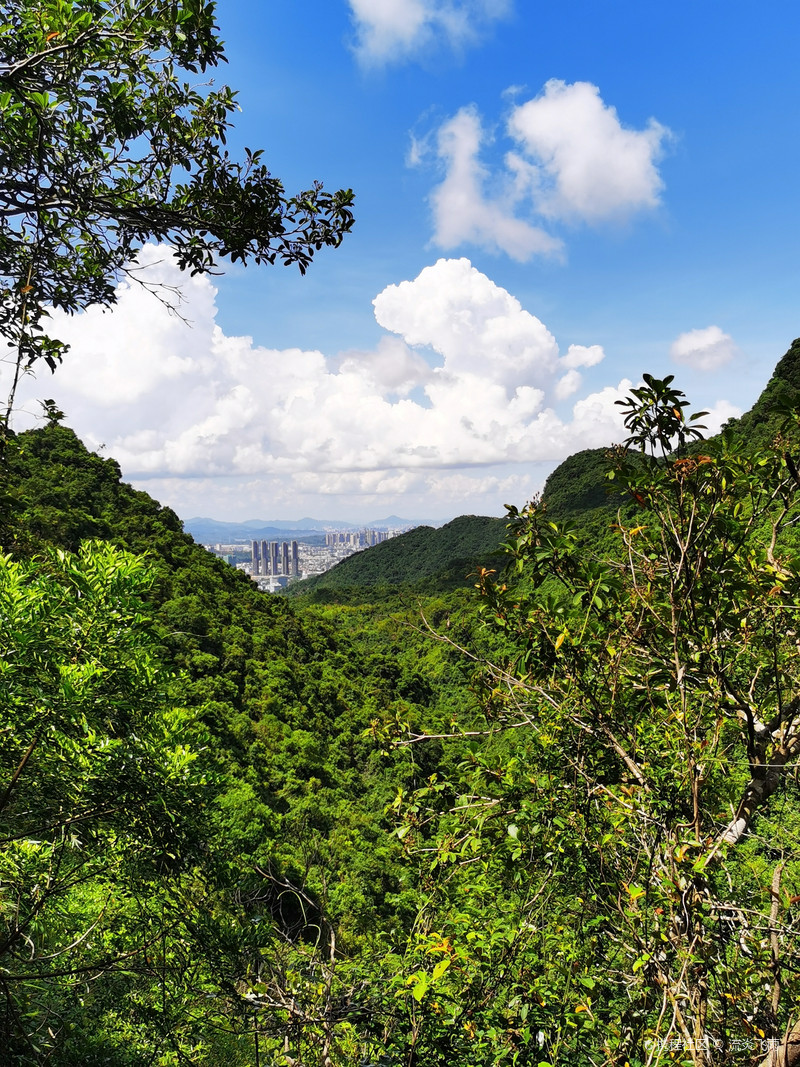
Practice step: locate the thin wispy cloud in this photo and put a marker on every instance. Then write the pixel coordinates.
(707, 349)
(394, 31)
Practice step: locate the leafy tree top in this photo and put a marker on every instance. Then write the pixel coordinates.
(109, 140)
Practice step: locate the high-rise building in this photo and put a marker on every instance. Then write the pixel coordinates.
(275, 559)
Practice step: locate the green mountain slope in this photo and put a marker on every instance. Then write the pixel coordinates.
(298, 703)
(287, 695)
(424, 559)
(783, 389)
(579, 491)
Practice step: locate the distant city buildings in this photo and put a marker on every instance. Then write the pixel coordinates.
(273, 564)
(355, 539)
(273, 558)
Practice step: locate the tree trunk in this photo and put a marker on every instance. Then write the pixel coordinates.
(787, 1052)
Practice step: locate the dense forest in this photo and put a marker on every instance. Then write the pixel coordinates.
(543, 815)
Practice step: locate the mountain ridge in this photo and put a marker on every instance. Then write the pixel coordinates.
(421, 557)
(577, 490)
(207, 530)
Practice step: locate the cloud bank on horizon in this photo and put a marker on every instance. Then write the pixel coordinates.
(457, 401)
(572, 161)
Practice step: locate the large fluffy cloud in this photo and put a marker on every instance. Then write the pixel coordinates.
(578, 158)
(478, 328)
(465, 379)
(572, 160)
(394, 30)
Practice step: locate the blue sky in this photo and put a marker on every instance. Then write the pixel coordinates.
(550, 200)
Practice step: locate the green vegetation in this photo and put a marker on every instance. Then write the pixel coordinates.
(422, 559)
(389, 823)
(782, 393)
(289, 710)
(550, 822)
(631, 807)
(103, 784)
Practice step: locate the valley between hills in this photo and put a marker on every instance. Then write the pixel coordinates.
(448, 803)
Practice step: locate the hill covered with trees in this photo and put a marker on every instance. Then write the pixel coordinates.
(553, 821)
(281, 715)
(422, 560)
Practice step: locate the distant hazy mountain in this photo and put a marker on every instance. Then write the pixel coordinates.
(213, 531)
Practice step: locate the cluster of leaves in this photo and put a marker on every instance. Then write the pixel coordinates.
(103, 787)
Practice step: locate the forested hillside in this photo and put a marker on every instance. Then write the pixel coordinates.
(288, 707)
(422, 560)
(550, 821)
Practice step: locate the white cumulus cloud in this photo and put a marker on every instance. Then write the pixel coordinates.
(395, 30)
(465, 380)
(718, 415)
(569, 384)
(578, 158)
(583, 356)
(572, 160)
(707, 349)
(478, 327)
(463, 210)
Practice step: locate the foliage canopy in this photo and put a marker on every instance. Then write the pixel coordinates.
(102, 792)
(632, 803)
(598, 812)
